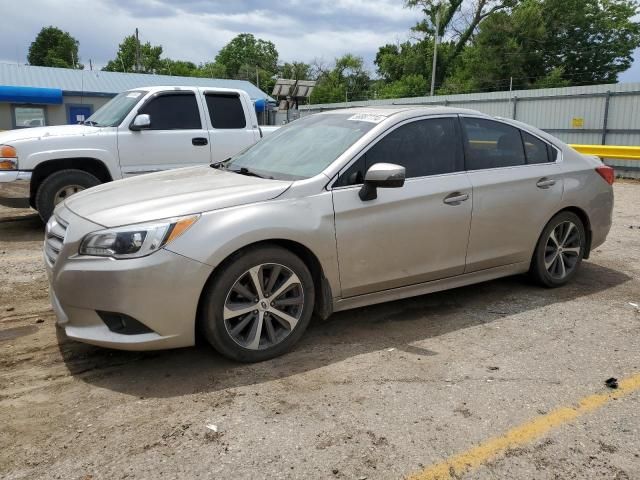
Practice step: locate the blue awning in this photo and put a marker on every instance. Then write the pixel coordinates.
(30, 95)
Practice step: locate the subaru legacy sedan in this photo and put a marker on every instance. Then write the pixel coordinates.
(334, 211)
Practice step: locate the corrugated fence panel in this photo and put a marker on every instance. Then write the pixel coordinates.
(561, 113)
(624, 112)
(581, 138)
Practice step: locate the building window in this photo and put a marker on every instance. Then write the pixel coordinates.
(29, 116)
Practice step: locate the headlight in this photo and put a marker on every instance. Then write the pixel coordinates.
(8, 158)
(135, 241)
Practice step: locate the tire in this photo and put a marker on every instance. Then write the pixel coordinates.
(231, 318)
(559, 251)
(60, 185)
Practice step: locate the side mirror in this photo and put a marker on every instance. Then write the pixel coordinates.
(141, 122)
(381, 175)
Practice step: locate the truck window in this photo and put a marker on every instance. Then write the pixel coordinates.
(173, 111)
(225, 111)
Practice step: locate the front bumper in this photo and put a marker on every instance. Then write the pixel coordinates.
(161, 291)
(15, 188)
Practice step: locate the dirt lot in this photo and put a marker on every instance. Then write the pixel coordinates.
(378, 392)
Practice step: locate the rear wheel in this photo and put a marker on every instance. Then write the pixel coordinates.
(259, 305)
(59, 186)
(559, 251)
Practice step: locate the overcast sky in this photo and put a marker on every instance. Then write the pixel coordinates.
(196, 29)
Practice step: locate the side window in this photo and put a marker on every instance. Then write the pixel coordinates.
(492, 144)
(173, 111)
(535, 149)
(424, 147)
(225, 111)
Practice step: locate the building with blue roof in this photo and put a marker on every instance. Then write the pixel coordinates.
(36, 96)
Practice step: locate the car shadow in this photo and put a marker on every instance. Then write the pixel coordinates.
(344, 335)
(23, 226)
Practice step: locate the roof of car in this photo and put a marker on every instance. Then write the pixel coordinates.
(389, 110)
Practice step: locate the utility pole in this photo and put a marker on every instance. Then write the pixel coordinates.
(137, 51)
(435, 50)
(90, 65)
(257, 78)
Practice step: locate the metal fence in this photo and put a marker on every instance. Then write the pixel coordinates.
(592, 115)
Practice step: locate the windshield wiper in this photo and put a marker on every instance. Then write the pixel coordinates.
(248, 173)
(90, 122)
(220, 165)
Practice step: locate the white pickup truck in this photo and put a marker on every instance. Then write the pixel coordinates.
(139, 131)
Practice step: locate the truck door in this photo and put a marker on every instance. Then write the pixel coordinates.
(231, 124)
(176, 137)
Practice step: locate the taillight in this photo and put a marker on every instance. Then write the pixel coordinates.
(607, 173)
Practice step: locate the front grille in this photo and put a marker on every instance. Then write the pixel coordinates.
(54, 238)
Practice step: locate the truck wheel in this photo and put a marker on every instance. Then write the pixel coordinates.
(59, 186)
(259, 305)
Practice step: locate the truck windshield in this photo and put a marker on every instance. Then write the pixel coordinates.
(304, 148)
(113, 112)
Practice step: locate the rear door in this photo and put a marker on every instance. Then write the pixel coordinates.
(517, 188)
(229, 124)
(411, 234)
(177, 137)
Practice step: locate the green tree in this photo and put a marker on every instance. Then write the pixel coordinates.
(247, 57)
(412, 85)
(457, 21)
(549, 43)
(54, 48)
(347, 80)
(125, 60)
(295, 71)
(177, 68)
(592, 41)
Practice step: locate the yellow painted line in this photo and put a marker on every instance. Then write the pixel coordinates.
(461, 463)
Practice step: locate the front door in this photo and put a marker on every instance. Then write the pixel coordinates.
(412, 234)
(517, 188)
(177, 136)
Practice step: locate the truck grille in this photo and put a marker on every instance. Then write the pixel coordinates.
(54, 238)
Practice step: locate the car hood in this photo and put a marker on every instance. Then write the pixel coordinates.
(44, 132)
(170, 194)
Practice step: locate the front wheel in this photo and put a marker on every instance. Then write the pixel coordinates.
(559, 251)
(59, 186)
(259, 305)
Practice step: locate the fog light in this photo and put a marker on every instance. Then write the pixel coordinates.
(123, 324)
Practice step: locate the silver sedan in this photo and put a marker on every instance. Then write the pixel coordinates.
(334, 211)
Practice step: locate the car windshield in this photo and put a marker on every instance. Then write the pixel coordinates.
(113, 112)
(304, 148)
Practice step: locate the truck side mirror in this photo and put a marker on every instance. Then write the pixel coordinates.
(141, 122)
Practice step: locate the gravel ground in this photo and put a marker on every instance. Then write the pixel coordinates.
(377, 392)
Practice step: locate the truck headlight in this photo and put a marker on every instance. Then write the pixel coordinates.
(135, 241)
(8, 158)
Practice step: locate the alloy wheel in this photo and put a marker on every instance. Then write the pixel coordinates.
(66, 192)
(562, 250)
(263, 306)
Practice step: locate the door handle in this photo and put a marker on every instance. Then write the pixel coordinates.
(545, 182)
(456, 198)
(199, 141)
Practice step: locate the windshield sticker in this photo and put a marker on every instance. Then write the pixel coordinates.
(133, 95)
(367, 117)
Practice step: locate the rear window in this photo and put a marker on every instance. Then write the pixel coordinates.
(535, 149)
(492, 144)
(225, 111)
